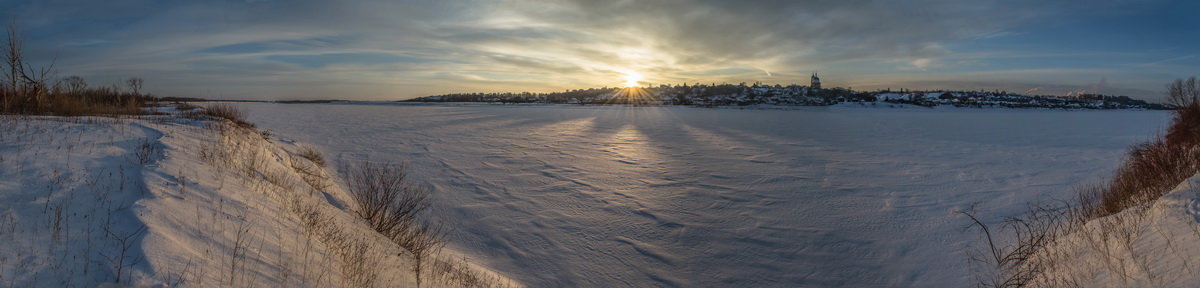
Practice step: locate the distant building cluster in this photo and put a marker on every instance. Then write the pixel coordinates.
(742, 94)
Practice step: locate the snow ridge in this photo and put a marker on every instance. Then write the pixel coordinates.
(1155, 245)
(170, 201)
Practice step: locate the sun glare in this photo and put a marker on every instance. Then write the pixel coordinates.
(632, 79)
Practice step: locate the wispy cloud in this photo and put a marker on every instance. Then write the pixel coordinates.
(399, 49)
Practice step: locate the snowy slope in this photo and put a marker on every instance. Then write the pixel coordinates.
(176, 202)
(685, 197)
(1150, 246)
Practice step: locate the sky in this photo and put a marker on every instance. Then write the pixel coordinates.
(390, 50)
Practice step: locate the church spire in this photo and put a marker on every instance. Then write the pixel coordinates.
(816, 81)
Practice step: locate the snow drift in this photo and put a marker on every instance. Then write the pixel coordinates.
(1154, 245)
(170, 201)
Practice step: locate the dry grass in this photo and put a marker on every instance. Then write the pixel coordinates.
(224, 111)
(40, 98)
(1151, 170)
(1094, 220)
(30, 90)
(457, 272)
(312, 174)
(1155, 167)
(393, 207)
(357, 260)
(312, 155)
(185, 107)
(1022, 262)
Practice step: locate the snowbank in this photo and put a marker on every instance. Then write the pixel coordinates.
(169, 201)
(1157, 245)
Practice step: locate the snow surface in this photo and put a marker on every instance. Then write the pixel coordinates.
(167, 201)
(611, 196)
(1157, 245)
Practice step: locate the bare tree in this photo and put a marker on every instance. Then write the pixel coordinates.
(29, 89)
(75, 84)
(135, 84)
(12, 56)
(1185, 128)
(12, 59)
(1183, 93)
(24, 81)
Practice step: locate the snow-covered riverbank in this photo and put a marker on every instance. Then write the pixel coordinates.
(177, 202)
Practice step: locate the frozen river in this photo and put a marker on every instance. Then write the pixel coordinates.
(572, 196)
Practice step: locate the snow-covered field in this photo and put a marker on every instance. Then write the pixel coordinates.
(579, 196)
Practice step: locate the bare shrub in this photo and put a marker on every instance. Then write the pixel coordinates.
(1183, 93)
(392, 207)
(227, 112)
(1155, 167)
(312, 155)
(146, 150)
(359, 263)
(123, 257)
(1022, 262)
(311, 174)
(1185, 127)
(423, 240)
(457, 272)
(240, 245)
(384, 197)
(185, 107)
(1151, 170)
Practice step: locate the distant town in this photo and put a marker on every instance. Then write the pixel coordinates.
(743, 94)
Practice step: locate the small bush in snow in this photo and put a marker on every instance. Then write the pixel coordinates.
(185, 107)
(312, 155)
(228, 112)
(392, 206)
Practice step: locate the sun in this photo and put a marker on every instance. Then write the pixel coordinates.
(632, 79)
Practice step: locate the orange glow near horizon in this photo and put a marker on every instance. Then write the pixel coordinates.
(632, 79)
(631, 95)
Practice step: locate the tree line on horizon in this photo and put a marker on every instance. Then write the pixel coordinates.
(710, 95)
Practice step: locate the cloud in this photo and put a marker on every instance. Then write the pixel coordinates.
(919, 63)
(400, 49)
